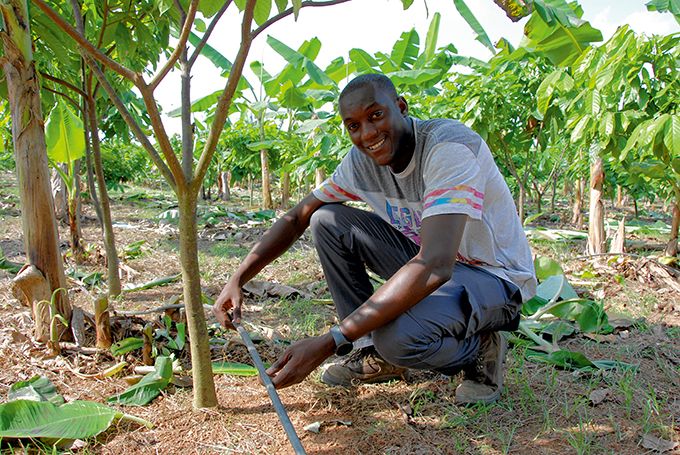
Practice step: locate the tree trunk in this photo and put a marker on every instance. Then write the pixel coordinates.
(59, 194)
(596, 234)
(251, 189)
(109, 239)
(102, 322)
(672, 247)
(41, 239)
(225, 178)
(577, 205)
(285, 190)
(90, 169)
(204, 386)
(619, 197)
(267, 202)
(521, 197)
(553, 195)
(319, 176)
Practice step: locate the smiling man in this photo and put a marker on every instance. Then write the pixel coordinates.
(443, 232)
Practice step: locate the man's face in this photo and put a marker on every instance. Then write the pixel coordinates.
(378, 126)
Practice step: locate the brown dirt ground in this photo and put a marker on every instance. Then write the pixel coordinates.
(543, 410)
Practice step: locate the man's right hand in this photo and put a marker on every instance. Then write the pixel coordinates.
(228, 301)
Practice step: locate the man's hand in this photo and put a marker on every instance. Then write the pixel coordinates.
(229, 299)
(300, 359)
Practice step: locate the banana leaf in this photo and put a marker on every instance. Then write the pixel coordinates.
(233, 369)
(126, 345)
(38, 388)
(149, 387)
(42, 419)
(152, 284)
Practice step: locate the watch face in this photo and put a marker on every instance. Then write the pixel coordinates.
(344, 349)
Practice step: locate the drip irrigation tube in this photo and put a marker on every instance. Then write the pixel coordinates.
(271, 390)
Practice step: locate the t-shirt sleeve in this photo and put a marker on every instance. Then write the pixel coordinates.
(453, 182)
(340, 186)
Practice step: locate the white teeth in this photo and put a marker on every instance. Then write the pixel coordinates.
(376, 146)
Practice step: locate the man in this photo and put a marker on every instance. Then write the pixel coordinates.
(443, 232)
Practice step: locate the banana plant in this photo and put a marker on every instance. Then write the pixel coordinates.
(621, 113)
(64, 136)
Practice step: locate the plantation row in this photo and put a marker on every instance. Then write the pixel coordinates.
(562, 111)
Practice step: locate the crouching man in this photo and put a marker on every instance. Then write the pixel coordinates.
(443, 232)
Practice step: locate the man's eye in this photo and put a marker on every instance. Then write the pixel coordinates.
(352, 127)
(377, 114)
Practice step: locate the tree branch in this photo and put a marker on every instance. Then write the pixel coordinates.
(85, 45)
(208, 32)
(223, 104)
(136, 129)
(289, 11)
(62, 82)
(183, 37)
(66, 97)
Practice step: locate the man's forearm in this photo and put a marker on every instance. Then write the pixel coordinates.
(411, 284)
(276, 241)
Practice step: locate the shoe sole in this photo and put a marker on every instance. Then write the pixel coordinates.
(332, 381)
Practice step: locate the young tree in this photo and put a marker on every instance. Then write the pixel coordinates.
(184, 178)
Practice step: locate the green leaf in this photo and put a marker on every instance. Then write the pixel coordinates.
(317, 75)
(556, 286)
(262, 10)
(405, 50)
(560, 43)
(211, 53)
(546, 267)
(589, 315)
(152, 284)
(208, 8)
(364, 62)
(290, 55)
(562, 358)
(297, 5)
(415, 77)
(406, 4)
(431, 39)
(42, 419)
(38, 388)
(64, 135)
(233, 369)
(149, 387)
(281, 5)
(672, 136)
(472, 21)
(126, 345)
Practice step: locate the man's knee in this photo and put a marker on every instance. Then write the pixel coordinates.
(400, 342)
(324, 217)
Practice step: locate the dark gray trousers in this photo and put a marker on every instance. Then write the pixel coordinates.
(441, 332)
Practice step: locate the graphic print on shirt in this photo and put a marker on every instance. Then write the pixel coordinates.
(405, 219)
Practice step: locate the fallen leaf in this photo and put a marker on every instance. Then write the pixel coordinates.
(597, 396)
(657, 444)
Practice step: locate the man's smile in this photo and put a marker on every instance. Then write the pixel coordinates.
(377, 145)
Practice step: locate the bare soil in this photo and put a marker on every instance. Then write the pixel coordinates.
(543, 410)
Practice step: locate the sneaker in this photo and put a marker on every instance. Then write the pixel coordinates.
(363, 366)
(483, 380)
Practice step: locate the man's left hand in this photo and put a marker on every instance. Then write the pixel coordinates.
(300, 359)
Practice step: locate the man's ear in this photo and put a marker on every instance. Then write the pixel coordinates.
(403, 105)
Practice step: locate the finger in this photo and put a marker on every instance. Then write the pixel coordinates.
(236, 313)
(276, 366)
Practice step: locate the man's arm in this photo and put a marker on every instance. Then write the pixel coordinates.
(426, 272)
(283, 233)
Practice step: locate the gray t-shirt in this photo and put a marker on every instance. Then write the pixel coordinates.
(452, 171)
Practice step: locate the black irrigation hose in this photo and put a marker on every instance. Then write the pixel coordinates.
(271, 390)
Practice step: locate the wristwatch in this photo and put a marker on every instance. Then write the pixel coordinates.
(342, 345)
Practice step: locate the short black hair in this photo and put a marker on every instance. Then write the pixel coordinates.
(375, 79)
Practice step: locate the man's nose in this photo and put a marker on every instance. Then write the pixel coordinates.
(368, 132)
